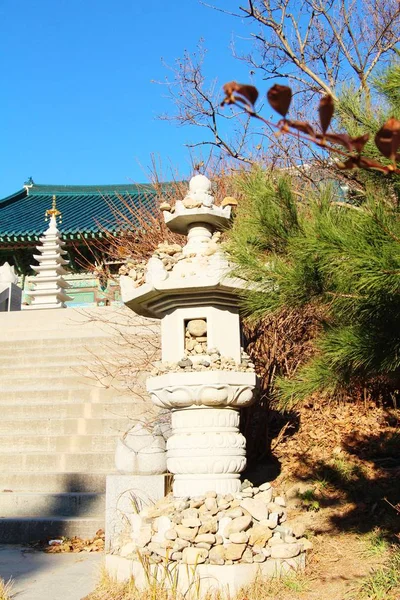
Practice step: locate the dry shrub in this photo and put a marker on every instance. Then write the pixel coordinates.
(136, 229)
(278, 345)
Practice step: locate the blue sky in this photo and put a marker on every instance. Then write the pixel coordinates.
(77, 103)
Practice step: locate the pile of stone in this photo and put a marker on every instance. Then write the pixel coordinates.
(245, 527)
(136, 270)
(196, 337)
(169, 254)
(213, 361)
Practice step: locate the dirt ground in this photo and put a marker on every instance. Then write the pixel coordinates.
(339, 466)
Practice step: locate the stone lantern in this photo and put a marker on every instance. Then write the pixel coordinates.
(204, 378)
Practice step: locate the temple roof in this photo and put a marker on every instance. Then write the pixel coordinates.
(86, 210)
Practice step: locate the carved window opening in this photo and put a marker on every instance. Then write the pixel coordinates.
(196, 336)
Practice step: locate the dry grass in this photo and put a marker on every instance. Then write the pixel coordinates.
(340, 568)
(6, 590)
(271, 589)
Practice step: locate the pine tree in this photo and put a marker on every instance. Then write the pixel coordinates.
(305, 246)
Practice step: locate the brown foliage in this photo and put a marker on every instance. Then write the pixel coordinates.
(277, 346)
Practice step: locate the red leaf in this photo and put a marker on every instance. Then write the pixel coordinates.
(343, 139)
(367, 163)
(249, 92)
(359, 142)
(302, 126)
(350, 163)
(387, 139)
(239, 92)
(280, 97)
(326, 110)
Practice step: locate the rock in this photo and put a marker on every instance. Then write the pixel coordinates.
(275, 508)
(280, 501)
(234, 513)
(161, 525)
(180, 545)
(209, 538)
(222, 526)
(181, 505)
(273, 520)
(165, 206)
(215, 358)
(298, 529)
(255, 507)
(219, 540)
(247, 556)
(197, 502)
(307, 545)
(176, 556)
(191, 203)
(210, 504)
(247, 493)
(132, 274)
(289, 539)
(197, 328)
(186, 533)
(158, 549)
(185, 362)
(128, 549)
(265, 496)
(217, 555)
(276, 540)
(170, 534)
(144, 536)
(246, 484)
(229, 201)
(265, 486)
(285, 550)
(204, 545)
(191, 522)
(234, 551)
(284, 530)
(194, 556)
(259, 535)
(228, 498)
(240, 537)
(209, 526)
(259, 558)
(198, 349)
(239, 524)
(190, 513)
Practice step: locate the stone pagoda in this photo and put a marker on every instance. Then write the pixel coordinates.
(204, 377)
(49, 284)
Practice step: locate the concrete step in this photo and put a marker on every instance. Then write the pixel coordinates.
(40, 343)
(69, 355)
(57, 443)
(80, 394)
(70, 369)
(64, 410)
(30, 529)
(39, 462)
(28, 481)
(47, 382)
(110, 426)
(66, 504)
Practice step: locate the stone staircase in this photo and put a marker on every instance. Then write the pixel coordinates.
(58, 425)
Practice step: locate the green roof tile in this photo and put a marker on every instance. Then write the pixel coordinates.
(85, 209)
